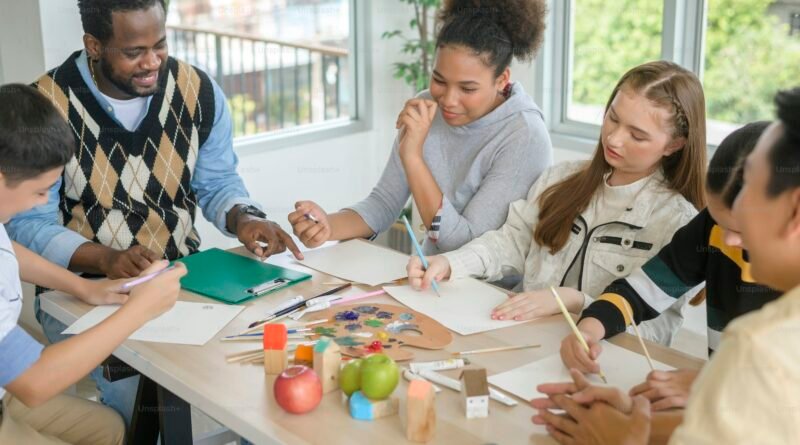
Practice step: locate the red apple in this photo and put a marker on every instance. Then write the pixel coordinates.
(297, 389)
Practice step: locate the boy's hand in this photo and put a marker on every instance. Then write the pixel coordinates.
(154, 297)
(100, 292)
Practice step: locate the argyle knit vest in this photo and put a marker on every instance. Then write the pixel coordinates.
(125, 188)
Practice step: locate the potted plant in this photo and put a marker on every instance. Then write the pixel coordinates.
(417, 71)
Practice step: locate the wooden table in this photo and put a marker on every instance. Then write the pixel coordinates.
(240, 396)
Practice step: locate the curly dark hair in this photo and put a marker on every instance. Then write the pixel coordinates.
(96, 14)
(784, 156)
(498, 30)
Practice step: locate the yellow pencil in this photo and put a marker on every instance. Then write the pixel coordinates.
(639, 336)
(574, 327)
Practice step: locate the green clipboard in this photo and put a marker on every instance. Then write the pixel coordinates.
(232, 278)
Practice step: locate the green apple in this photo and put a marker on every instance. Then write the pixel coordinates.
(379, 376)
(350, 377)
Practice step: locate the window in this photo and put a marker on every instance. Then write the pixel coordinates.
(630, 30)
(285, 65)
(743, 51)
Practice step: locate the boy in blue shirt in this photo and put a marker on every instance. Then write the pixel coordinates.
(35, 144)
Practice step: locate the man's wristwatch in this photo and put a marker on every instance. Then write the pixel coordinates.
(244, 210)
(252, 211)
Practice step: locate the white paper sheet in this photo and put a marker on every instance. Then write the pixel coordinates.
(465, 305)
(186, 323)
(358, 261)
(623, 369)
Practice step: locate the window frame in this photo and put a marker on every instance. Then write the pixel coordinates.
(682, 42)
(360, 119)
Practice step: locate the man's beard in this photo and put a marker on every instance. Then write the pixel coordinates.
(126, 86)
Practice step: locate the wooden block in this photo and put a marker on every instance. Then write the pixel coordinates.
(362, 408)
(275, 361)
(304, 355)
(275, 336)
(420, 411)
(475, 391)
(327, 361)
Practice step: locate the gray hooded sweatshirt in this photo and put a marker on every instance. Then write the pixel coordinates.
(481, 168)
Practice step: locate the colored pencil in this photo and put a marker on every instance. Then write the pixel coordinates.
(418, 248)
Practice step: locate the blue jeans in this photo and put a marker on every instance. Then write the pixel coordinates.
(119, 395)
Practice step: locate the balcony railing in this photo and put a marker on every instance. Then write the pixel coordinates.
(270, 84)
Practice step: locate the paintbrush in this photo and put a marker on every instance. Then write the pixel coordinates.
(639, 336)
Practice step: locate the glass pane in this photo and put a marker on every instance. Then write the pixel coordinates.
(281, 63)
(609, 38)
(749, 55)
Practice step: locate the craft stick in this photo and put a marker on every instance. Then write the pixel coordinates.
(243, 355)
(313, 322)
(574, 327)
(498, 349)
(639, 336)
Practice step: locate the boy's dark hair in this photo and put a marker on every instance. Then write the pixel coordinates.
(96, 14)
(497, 30)
(784, 157)
(34, 136)
(725, 175)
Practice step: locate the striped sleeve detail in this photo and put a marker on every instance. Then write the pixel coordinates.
(735, 254)
(621, 304)
(657, 284)
(436, 224)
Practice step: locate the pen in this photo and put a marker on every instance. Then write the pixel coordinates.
(414, 241)
(131, 284)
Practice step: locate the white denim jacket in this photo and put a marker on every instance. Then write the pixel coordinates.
(602, 254)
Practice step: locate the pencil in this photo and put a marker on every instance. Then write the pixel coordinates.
(574, 327)
(498, 349)
(417, 247)
(639, 336)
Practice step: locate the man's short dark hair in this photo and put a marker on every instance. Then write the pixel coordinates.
(34, 137)
(96, 14)
(784, 156)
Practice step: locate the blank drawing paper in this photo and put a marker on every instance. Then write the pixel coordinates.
(186, 323)
(623, 369)
(358, 261)
(465, 305)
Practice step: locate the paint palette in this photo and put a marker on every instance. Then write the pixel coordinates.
(356, 328)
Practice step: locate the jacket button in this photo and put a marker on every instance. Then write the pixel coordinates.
(620, 268)
(626, 242)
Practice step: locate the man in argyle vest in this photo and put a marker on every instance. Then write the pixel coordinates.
(154, 143)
